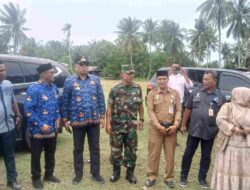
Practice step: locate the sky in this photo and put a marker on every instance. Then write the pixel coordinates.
(98, 19)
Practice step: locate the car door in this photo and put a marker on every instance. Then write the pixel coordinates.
(228, 81)
(14, 73)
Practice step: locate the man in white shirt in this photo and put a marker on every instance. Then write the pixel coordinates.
(178, 80)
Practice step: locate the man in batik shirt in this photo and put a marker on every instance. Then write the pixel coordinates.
(42, 111)
(83, 109)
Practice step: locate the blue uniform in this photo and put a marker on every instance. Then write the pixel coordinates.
(41, 107)
(83, 100)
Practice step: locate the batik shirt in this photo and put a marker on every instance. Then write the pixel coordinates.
(83, 101)
(41, 107)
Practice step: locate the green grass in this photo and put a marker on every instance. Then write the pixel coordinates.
(64, 162)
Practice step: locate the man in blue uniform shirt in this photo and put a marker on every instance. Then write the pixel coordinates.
(202, 107)
(8, 105)
(42, 111)
(83, 108)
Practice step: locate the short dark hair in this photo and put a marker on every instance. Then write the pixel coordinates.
(175, 62)
(1, 62)
(213, 73)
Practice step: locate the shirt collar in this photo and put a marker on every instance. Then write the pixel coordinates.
(215, 91)
(159, 91)
(131, 85)
(44, 83)
(78, 78)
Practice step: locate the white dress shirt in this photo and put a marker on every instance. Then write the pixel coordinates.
(178, 82)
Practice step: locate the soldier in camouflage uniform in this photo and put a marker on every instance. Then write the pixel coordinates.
(124, 104)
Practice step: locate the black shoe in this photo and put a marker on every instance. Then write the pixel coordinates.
(116, 173)
(52, 179)
(99, 179)
(150, 183)
(37, 184)
(183, 182)
(203, 183)
(130, 175)
(170, 184)
(14, 185)
(76, 180)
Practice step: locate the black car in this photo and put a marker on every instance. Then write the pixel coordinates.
(21, 71)
(227, 79)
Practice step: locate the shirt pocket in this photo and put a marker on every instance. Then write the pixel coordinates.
(196, 102)
(157, 100)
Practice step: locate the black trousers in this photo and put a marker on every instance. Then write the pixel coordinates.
(191, 146)
(93, 133)
(7, 148)
(37, 146)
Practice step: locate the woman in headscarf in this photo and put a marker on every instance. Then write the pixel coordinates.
(232, 164)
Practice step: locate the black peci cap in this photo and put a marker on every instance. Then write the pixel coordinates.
(44, 67)
(161, 73)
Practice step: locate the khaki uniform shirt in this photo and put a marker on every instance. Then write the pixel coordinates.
(164, 106)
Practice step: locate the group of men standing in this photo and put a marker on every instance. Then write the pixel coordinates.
(82, 106)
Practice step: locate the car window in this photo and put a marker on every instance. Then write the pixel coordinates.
(229, 81)
(192, 75)
(199, 74)
(14, 72)
(30, 74)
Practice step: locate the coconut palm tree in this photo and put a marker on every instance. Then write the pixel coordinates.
(149, 36)
(12, 28)
(67, 29)
(128, 35)
(227, 55)
(239, 22)
(203, 40)
(215, 11)
(171, 37)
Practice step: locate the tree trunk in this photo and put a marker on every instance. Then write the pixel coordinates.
(70, 62)
(207, 56)
(238, 51)
(131, 58)
(150, 61)
(219, 28)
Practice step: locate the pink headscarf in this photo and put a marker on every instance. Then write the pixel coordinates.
(241, 106)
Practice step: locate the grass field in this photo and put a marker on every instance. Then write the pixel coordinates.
(64, 163)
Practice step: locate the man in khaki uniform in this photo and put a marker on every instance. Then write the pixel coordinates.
(164, 109)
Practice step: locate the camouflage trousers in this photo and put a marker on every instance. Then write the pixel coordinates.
(129, 142)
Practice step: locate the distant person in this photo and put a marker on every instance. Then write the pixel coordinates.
(42, 110)
(179, 80)
(83, 108)
(164, 109)
(122, 121)
(8, 105)
(232, 169)
(202, 107)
